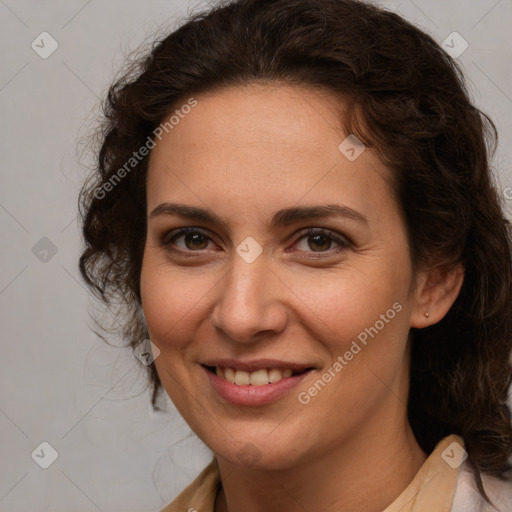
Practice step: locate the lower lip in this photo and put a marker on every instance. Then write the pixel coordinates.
(254, 395)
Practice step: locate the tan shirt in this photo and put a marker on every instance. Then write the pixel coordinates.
(432, 489)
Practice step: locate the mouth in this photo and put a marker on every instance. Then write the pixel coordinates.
(258, 377)
(254, 383)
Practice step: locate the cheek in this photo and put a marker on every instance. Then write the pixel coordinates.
(171, 300)
(345, 303)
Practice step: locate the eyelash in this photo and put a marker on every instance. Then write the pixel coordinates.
(343, 242)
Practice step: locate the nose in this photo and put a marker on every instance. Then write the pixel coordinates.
(250, 303)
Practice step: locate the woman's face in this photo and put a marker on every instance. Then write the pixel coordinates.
(295, 259)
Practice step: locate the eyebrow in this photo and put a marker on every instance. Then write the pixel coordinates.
(281, 218)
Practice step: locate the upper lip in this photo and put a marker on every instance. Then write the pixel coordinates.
(255, 364)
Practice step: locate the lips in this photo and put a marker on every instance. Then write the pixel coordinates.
(254, 382)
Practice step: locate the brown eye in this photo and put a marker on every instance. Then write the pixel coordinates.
(187, 240)
(319, 243)
(195, 241)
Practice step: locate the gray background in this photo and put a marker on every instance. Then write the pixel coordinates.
(58, 382)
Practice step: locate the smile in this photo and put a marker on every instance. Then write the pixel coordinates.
(256, 383)
(260, 377)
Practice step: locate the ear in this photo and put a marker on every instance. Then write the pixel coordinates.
(436, 291)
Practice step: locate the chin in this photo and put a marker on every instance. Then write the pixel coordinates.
(259, 452)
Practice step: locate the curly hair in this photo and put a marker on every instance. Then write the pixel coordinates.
(408, 101)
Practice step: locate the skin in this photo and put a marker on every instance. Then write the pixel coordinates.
(245, 153)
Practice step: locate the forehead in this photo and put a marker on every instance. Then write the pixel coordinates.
(269, 142)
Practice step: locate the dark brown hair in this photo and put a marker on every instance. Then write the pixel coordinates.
(409, 101)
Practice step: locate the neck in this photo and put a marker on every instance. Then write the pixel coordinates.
(367, 472)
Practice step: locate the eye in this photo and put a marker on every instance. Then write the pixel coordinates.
(321, 241)
(188, 239)
(314, 240)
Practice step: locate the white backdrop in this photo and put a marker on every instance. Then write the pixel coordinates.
(59, 384)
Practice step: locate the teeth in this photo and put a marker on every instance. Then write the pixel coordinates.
(229, 375)
(274, 375)
(260, 377)
(242, 378)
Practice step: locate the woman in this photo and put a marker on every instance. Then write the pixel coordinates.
(293, 201)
